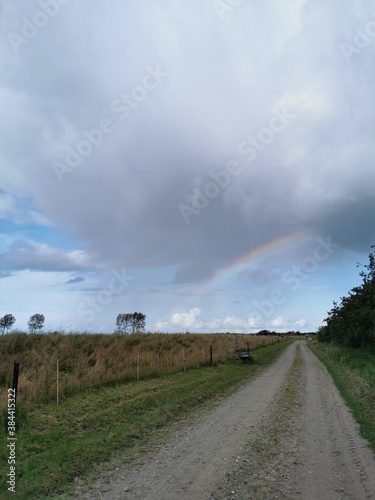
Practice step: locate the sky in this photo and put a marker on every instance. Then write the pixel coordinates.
(208, 163)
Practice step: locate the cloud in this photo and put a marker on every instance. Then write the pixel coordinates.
(17, 211)
(4, 274)
(309, 175)
(79, 279)
(278, 322)
(26, 254)
(193, 320)
(301, 323)
(187, 319)
(268, 87)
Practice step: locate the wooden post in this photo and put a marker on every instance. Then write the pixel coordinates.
(184, 358)
(138, 367)
(210, 355)
(16, 371)
(57, 382)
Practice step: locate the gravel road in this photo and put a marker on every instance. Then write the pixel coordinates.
(286, 434)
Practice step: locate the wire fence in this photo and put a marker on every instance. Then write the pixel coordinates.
(53, 367)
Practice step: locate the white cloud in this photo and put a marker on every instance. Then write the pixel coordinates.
(27, 254)
(160, 325)
(278, 322)
(187, 319)
(301, 323)
(192, 320)
(255, 322)
(234, 322)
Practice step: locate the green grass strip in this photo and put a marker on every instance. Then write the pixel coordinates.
(57, 444)
(353, 371)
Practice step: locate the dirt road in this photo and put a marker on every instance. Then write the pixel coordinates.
(286, 434)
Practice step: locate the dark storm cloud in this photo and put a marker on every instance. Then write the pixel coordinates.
(223, 83)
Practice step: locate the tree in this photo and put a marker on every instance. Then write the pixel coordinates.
(7, 322)
(352, 321)
(36, 322)
(123, 322)
(138, 322)
(135, 322)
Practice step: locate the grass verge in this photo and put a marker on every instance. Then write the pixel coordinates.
(56, 444)
(353, 371)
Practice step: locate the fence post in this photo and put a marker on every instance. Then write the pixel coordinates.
(57, 382)
(184, 358)
(138, 366)
(16, 371)
(210, 355)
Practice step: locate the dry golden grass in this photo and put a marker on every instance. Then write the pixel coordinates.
(91, 360)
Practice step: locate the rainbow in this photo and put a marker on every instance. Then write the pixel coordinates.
(240, 263)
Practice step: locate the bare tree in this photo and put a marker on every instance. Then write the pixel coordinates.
(123, 322)
(7, 322)
(36, 322)
(138, 322)
(135, 322)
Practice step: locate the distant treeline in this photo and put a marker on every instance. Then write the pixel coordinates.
(352, 322)
(291, 333)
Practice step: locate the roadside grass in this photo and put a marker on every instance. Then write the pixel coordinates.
(353, 371)
(57, 444)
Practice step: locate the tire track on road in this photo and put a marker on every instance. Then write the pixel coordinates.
(198, 455)
(285, 434)
(340, 464)
(309, 447)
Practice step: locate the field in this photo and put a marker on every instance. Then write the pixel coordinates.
(78, 362)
